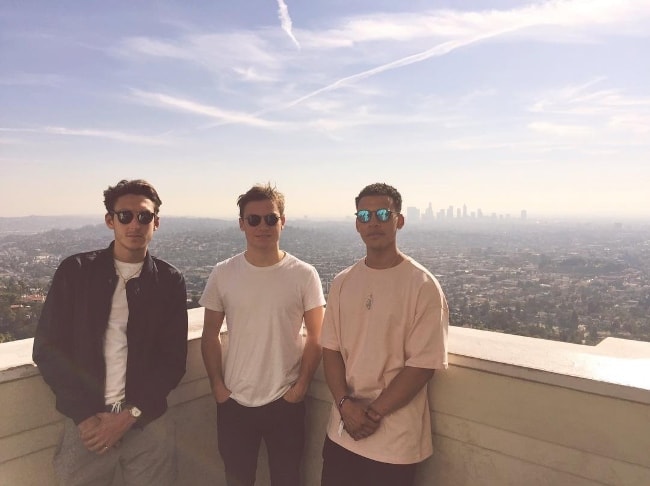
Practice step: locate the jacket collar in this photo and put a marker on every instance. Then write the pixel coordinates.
(106, 260)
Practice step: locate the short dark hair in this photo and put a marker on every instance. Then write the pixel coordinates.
(261, 192)
(139, 187)
(381, 189)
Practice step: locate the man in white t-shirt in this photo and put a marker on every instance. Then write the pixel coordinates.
(264, 294)
(384, 334)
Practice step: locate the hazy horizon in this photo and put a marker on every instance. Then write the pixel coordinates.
(98, 219)
(501, 105)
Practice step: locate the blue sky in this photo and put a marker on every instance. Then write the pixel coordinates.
(499, 105)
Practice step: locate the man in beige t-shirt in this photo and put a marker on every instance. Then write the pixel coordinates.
(384, 334)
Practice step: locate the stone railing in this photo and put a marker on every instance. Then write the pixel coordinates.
(509, 411)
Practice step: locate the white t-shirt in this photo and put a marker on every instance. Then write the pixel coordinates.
(115, 342)
(264, 308)
(381, 321)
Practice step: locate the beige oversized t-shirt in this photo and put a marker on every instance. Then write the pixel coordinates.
(381, 321)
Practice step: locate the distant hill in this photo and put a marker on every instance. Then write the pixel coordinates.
(37, 224)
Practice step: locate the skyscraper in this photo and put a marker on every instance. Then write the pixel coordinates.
(413, 214)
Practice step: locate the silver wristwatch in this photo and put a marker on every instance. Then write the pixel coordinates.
(135, 412)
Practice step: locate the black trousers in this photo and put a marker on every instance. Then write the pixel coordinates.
(344, 468)
(282, 426)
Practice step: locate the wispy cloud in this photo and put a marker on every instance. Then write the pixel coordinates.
(252, 74)
(32, 79)
(468, 28)
(246, 54)
(634, 123)
(252, 56)
(588, 103)
(90, 132)
(178, 104)
(586, 99)
(285, 21)
(151, 47)
(109, 134)
(365, 117)
(561, 130)
(438, 50)
(445, 24)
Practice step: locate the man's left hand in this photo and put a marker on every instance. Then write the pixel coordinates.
(295, 394)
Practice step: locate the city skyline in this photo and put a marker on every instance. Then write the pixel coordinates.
(414, 213)
(542, 106)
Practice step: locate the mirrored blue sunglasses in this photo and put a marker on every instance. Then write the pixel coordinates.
(382, 215)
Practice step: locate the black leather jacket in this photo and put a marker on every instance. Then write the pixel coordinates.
(68, 346)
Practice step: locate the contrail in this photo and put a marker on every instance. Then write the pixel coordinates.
(439, 50)
(285, 20)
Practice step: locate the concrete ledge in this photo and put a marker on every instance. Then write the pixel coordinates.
(605, 370)
(509, 411)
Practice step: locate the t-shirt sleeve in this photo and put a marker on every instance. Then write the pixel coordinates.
(329, 337)
(313, 296)
(211, 298)
(426, 343)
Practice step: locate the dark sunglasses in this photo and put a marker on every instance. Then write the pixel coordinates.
(125, 217)
(256, 219)
(383, 215)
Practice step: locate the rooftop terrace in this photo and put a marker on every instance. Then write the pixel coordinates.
(509, 411)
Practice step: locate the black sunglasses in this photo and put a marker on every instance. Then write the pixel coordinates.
(383, 215)
(256, 219)
(125, 217)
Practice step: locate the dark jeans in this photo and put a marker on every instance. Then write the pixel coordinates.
(344, 468)
(282, 426)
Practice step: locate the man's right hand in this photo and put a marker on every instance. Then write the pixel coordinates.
(356, 421)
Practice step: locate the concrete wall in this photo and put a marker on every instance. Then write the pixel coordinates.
(508, 411)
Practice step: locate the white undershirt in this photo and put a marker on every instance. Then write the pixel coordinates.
(115, 343)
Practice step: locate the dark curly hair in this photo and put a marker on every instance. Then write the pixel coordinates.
(139, 187)
(381, 189)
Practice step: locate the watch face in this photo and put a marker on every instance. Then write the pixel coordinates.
(135, 412)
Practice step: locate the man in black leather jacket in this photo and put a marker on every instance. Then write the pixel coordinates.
(112, 343)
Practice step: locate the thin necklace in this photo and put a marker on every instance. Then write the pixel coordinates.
(126, 279)
(394, 263)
